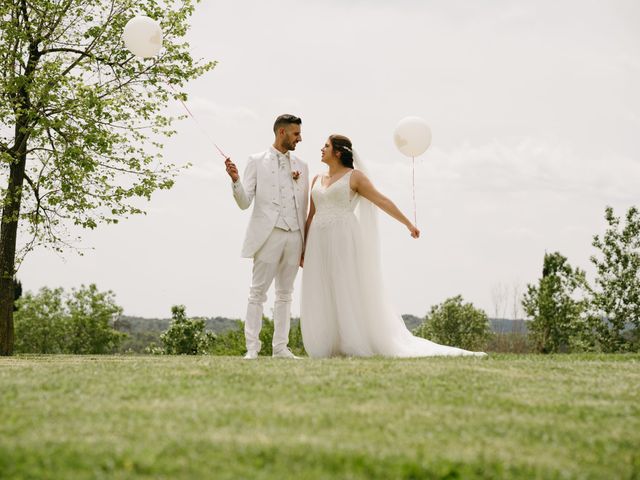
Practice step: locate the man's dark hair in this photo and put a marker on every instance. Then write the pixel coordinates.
(284, 120)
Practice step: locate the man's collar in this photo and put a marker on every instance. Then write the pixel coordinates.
(273, 149)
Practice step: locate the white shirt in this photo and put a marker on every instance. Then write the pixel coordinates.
(288, 215)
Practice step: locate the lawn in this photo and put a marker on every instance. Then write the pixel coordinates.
(506, 416)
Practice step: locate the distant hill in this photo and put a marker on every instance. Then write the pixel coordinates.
(129, 324)
(498, 325)
(411, 321)
(507, 325)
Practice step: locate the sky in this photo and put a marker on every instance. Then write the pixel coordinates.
(534, 109)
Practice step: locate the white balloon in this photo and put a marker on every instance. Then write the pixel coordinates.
(412, 136)
(143, 36)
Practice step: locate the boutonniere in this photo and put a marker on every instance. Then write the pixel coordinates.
(296, 174)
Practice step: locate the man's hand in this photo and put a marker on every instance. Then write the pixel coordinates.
(232, 170)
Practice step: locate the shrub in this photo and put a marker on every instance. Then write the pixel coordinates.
(186, 336)
(456, 324)
(230, 343)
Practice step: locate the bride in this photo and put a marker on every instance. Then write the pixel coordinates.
(344, 308)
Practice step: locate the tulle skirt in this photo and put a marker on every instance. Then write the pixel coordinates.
(344, 309)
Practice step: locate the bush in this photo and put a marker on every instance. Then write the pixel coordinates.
(76, 323)
(186, 336)
(138, 342)
(456, 324)
(295, 339)
(230, 343)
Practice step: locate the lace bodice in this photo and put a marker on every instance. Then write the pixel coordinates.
(333, 202)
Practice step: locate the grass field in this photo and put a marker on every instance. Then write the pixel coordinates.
(506, 416)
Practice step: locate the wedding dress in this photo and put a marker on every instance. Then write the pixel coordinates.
(344, 309)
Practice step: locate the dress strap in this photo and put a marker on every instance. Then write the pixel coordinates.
(348, 175)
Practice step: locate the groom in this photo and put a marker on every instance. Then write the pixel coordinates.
(279, 182)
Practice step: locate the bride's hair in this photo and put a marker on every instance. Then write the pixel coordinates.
(343, 145)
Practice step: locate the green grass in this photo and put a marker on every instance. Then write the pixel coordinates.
(507, 416)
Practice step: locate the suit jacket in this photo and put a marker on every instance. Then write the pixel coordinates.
(261, 183)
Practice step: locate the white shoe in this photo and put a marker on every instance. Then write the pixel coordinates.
(251, 355)
(284, 353)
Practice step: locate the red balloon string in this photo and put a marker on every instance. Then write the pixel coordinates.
(198, 123)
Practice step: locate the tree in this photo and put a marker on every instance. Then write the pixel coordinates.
(80, 322)
(557, 323)
(615, 301)
(78, 110)
(186, 336)
(90, 320)
(40, 322)
(457, 324)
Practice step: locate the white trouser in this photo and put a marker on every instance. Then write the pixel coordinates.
(278, 258)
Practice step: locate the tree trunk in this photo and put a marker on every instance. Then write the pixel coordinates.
(9, 234)
(8, 241)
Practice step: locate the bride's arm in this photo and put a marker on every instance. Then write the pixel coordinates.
(361, 184)
(312, 212)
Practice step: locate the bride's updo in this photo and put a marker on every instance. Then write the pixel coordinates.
(342, 144)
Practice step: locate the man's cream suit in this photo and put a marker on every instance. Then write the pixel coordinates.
(274, 237)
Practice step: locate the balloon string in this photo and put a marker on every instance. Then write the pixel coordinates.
(415, 215)
(197, 123)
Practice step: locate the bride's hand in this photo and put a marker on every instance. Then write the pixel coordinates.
(415, 233)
